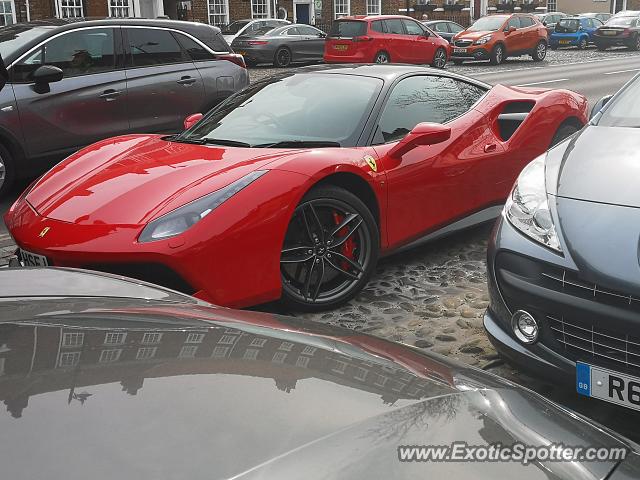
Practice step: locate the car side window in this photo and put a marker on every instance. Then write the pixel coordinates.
(293, 31)
(412, 27)
(440, 27)
(23, 71)
(424, 98)
(310, 31)
(196, 51)
(153, 47)
(394, 26)
(597, 22)
(378, 26)
(472, 93)
(526, 22)
(455, 28)
(513, 22)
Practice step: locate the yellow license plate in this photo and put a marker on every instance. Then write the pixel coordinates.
(565, 42)
(340, 47)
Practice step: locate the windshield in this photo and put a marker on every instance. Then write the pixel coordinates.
(234, 27)
(14, 37)
(568, 25)
(348, 28)
(624, 109)
(326, 109)
(620, 21)
(487, 24)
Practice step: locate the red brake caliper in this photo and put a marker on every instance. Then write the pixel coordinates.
(347, 248)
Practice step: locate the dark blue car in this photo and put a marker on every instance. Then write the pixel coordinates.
(574, 32)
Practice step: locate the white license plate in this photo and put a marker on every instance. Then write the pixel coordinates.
(608, 385)
(29, 259)
(459, 50)
(609, 32)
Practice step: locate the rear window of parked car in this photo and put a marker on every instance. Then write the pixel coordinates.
(195, 50)
(348, 28)
(153, 47)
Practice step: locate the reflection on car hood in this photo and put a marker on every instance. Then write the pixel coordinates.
(468, 35)
(117, 390)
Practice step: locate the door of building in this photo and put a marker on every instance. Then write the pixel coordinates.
(302, 13)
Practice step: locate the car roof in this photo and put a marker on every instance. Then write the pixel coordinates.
(366, 18)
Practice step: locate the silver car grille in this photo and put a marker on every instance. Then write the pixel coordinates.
(463, 43)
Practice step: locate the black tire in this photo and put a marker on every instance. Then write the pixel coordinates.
(382, 57)
(540, 52)
(497, 54)
(582, 44)
(564, 131)
(7, 171)
(320, 267)
(635, 44)
(439, 58)
(457, 62)
(282, 57)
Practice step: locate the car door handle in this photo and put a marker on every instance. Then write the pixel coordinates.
(110, 95)
(187, 80)
(492, 147)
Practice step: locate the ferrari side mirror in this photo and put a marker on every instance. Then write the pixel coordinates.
(191, 120)
(422, 134)
(599, 105)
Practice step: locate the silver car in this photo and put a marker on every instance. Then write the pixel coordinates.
(73, 83)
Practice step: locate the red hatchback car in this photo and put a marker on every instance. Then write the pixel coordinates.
(384, 39)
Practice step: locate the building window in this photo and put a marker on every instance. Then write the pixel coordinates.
(195, 338)
(69, 359)
(119, 8)
(73, 339)
(114, 338)
(374, 7)
(220, 352)
(381, 381)
(69, 9)
(218, 12)
(250, 354)
(551, 5)
(111, 355)
(7, 16)
(361, 374)
(188, 351)
(286, 346)
(341, 8)
(145, 353)
(260, 9)
(302, 362)
(258, 342)
(309, 350)
(279, 357)
(151, 337)
(339, 367)
(227, 340)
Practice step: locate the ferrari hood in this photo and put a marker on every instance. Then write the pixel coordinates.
(128, 180)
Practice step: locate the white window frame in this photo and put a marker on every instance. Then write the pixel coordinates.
(339, 13)
(302, 362)
(251, 354)
(115, 338)
(12, 14)
(279, 357)
(145, 353)
(340, 366)
(258, 342)
(151, 338)
(63, 360)
(72, 339)
(188, 351)
(381, 381)
(227, 340)
(110, 355)
(309, 350)
(116, 11)
(286, 346)
(194, 337)
(74, 6)
(220, 352)
(361, 374)
(377, 3)
(224, 15)
(552, 5)
(263, 15)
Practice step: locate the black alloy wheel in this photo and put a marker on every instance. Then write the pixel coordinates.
(282, 57)
(330, 250)
(439, 58)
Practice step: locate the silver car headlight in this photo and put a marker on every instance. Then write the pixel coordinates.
(483, 40)
(527, 208)
(182, 218)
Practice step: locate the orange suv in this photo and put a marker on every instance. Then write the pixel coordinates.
(497, 37)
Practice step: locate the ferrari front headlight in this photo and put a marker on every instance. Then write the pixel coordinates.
(483, 40)
(527, 208)
(182, 218)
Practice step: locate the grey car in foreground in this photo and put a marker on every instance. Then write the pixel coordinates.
(564, 263)
(105, 378)
(282, 46)
(74, 83)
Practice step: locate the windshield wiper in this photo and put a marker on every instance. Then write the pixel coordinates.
(299, 143)
(212, 141)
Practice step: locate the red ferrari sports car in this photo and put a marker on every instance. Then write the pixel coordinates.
(292, 188)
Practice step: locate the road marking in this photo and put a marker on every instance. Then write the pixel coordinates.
(622, 71)
(542, 83)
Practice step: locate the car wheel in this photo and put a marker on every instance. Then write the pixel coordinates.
(330, 250)
(497, 55)
(382, 57)
(7, 171)
(635, 44)
(457, 62)
(282, 58)
(582, 44)
(439, 58)
(540, 52)
(564, 131)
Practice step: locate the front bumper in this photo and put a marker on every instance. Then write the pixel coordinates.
(578, 321)
(473, 52)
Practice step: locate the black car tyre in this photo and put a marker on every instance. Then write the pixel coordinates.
(439, 58)
(330, 250)
(540, 52)
(7, 171)
(497, 54)
(564, 131)
(282, 57)
(582, 44)
(382, 57)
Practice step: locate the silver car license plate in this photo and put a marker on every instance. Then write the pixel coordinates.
(608, 385)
